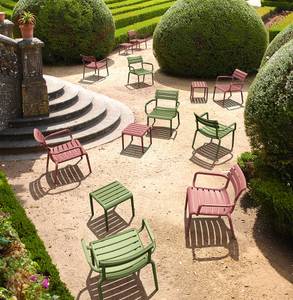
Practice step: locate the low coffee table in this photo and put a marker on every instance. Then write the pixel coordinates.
(139, 130)
(125, 47)
(199, 85)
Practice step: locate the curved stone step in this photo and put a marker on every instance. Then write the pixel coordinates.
(54, 87)
(76, 110)
(69, 97)
(95, 112)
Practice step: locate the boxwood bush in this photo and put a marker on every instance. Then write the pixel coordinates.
(71, 27)
(29, 236)
(211, 37)
(284, 4)
(269, 111)
(282, 38)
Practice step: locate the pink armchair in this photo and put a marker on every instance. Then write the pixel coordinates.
(62, 152)
(215, 201)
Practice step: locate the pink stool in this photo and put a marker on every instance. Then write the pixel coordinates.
(199, 85)
(138, 130)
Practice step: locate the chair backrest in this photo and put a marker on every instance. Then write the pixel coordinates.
(87, 59)
(169, 95)
(206, 122)
(134, 60)
(132, 34)
(39, 137)
(239, 75)
(237, 178)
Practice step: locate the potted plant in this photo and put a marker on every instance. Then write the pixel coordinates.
(27, 23)
(2, 16)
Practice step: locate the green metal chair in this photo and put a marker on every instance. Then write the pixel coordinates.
(136, 67)
(213, 130)
(164, 112)
(120, 255)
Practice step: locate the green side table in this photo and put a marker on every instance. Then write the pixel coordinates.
(110, 196)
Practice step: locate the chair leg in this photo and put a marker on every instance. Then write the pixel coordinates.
(171, 127)
(88, 163)
(155, 274)
(241, 97)
(122, 141)
(178, 117)
(106, 220)
(100, 289)
(195, 133)
(218, 149)
(148, 121)
(231, 226)
(47, 167)
(132, 206)
(92, 205)
(83, 72)
(128, 78)
(107, 70)
(233, 134)
(186, 202)
(142, 147)
(214, 94)
(143, 78)
(56, 173)
(152, 78)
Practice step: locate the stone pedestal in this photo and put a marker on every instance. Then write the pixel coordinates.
(6, 28)
(10, 81)
(34, 89)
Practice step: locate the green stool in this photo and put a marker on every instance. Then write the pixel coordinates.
(110, 196)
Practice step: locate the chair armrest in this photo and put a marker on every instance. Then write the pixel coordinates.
(231, 125)
(60, 132)
(86, 249)
(145, 224)
(145, 107)
(131, 69)
(207, 174)
(213, 205)
(177, 104)
(206, 114)
(224, 77)
(147, 63)
(117, 262)
(66, 150)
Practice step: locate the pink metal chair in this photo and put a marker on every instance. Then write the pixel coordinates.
(62, 152)
(90, 62)
(215, 201)
(235, 84)
(133, 39)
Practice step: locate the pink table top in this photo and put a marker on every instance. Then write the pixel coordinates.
(136, 129)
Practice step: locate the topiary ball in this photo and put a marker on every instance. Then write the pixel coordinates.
(281, 38)
(211, 37)
(70, 28)
(269, 110)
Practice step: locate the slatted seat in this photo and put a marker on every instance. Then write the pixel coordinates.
(215, 201)
(120, 255)
(110, 196)
(136, 67)
(236, 84)
(213, 130)
(62, 152)
(164, 112)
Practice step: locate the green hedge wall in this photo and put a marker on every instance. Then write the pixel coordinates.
(278, 27)
(278, 3)
(29, 236)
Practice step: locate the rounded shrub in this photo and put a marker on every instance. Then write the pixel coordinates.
(70, 27)
(269, 111)
(211, 37)
(282, 38)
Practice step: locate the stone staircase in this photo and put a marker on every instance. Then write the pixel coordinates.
(91, 117)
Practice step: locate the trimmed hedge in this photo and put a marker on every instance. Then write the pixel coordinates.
(137, 7)
(124, 3)
(70, 28)
(278, 3)
(29, 236)
(211, 37)
(278, 27)
(282, 38)
(141, 15)
(269, 111)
